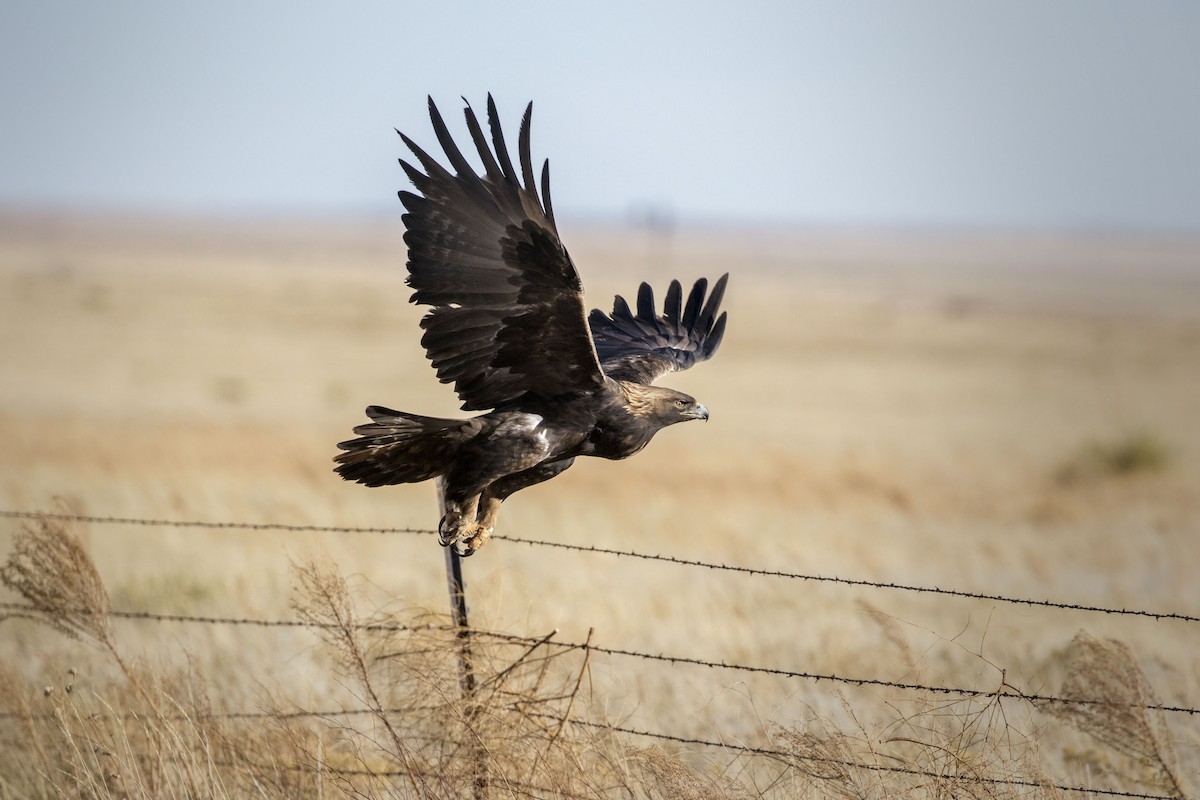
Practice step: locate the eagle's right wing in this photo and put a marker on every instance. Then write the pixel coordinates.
(507, 314)
(641, 347)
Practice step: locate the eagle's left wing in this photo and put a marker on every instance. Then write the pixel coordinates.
(507, 318)
(641, 347)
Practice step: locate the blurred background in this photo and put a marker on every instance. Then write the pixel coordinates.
(1080, 115)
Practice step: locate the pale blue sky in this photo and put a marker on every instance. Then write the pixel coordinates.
(1079, 114)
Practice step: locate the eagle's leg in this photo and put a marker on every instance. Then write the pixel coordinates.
(460, 524)
(460, 527)
(457, 520)
(467, 523)
(485, 522)
(488, 508)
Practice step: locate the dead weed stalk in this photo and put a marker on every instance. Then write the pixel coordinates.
(1105, 672)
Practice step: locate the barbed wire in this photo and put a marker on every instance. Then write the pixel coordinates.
(178, 523)
(685, 562)
(1004, 691)
(1000, 692)
(771, 573)
(786, 756)
(250, 621)
(814, 676)
(783, 755)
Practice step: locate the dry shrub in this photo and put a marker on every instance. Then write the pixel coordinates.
(1105, 675)
(1133, 454)
(50, 569)
(966, 748)
(513, 734)
(928, 746)
(323, 600)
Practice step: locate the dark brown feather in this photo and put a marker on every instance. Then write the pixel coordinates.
(641, 347)
(485, 256)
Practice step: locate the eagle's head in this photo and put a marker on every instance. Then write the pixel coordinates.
(661, 405)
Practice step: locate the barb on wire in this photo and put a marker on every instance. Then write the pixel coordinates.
(685, 562)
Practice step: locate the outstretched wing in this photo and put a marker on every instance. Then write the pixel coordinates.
(641, 347)
(507, 314)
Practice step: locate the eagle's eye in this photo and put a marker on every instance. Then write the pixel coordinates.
(681, 403)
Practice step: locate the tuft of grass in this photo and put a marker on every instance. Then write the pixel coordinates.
(1105, 673)
(50, 569)
(1137, 453)
(665, 775)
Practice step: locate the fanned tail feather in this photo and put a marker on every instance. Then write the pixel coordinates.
(397, 447)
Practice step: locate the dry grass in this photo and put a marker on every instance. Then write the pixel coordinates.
(528, 729)
(923, 398)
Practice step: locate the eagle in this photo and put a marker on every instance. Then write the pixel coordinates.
(507, 326)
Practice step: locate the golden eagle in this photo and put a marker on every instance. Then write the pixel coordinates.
(508, 329)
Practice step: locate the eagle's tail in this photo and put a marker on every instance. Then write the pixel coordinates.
(396, 447)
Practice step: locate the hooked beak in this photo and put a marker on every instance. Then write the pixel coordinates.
(700, 412)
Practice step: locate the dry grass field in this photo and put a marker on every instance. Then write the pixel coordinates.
(997, 415)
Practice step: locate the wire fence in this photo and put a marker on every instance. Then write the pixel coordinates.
(784, 756)
(684, 562)
(788, 756)
(1003, 691)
